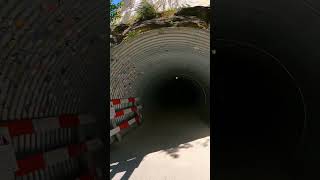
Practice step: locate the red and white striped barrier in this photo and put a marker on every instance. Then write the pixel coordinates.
(118, 109)
(123, 101)
(125, 125)
(126, 111)
(44, 160)
(29, 126)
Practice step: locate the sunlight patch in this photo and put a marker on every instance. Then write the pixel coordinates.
(119, 175)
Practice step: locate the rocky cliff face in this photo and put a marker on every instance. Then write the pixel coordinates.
(130, 6)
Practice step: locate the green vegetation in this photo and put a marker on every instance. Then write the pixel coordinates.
(133, 19)
(114, 13)
(146, 11)
(132, 34)
(168, 13)
(181, 17)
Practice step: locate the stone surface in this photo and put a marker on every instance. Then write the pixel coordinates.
(130, 6)
(123, 32)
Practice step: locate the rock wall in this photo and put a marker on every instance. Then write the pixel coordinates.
(130, 6)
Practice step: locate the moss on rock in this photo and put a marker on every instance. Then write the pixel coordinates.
(200, 12)
(195, 17)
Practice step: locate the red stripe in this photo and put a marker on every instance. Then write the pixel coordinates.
(30, 164)
(18, 127)
(124, 125)
(119, 113)
(137, 119)
(132, 99)
(115, 101)
(134, 109)
(77, 149)
(69, 121)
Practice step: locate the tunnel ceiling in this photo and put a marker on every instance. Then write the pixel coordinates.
(157, 53)
(48, 57)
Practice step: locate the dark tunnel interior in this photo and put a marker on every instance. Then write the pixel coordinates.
(266, 124)
(259, 112)
(176, 93)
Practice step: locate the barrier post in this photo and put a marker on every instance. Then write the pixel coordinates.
(112, 115)
(138, 112)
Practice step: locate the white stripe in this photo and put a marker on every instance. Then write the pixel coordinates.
(124, 101)
(132, 121)
(127, 111)
(56, 156)
(46, 124)
(112, 113)
(114, 131)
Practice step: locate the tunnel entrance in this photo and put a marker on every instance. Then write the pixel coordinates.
(168, 69)
(259, 112)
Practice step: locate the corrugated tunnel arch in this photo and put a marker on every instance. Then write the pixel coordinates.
(45, 69)
(169, 70)
(157, 54)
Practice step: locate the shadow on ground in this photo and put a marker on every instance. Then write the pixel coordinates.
(167, 133)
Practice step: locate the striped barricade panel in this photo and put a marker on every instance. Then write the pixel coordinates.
(29, 126)
(123, 114)
(126, 111)
(52, 160)
(123, 103)
(124, 125)
(63, 170)
(36, 135)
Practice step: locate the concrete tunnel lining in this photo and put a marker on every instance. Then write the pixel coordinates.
(161, 52)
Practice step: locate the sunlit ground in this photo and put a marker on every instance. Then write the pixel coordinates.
(192, 161)
(175, 148)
